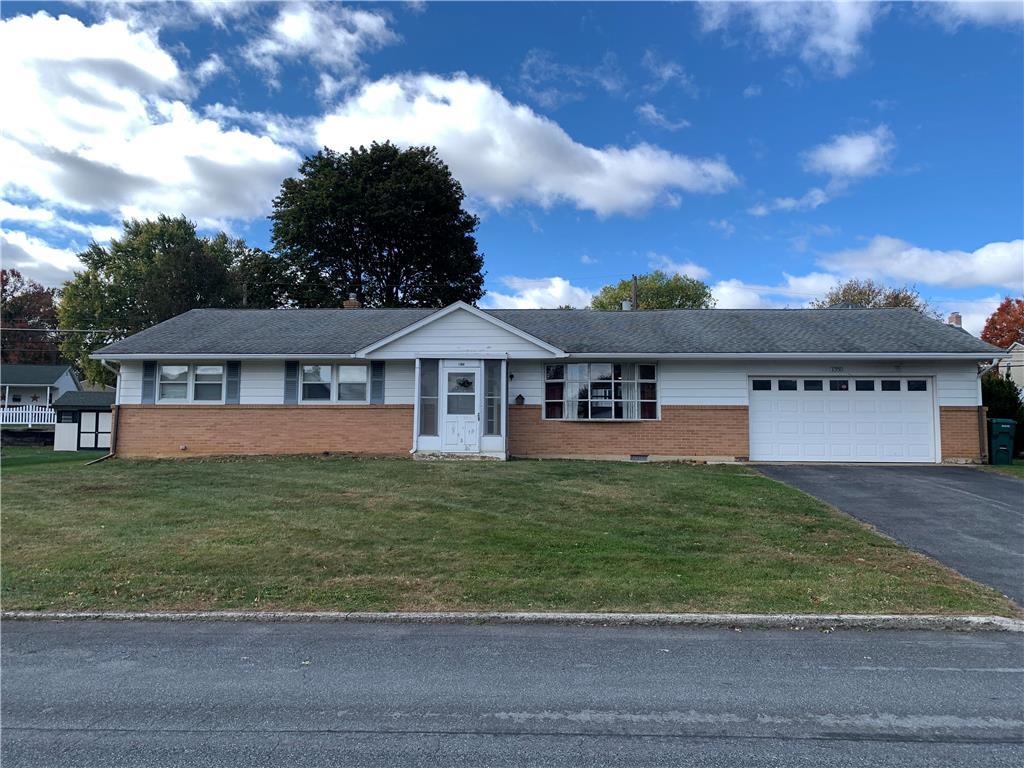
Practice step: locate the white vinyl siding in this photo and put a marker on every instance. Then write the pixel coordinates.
(460, 334)
(400, 382)
(262, 382)
(130, 383)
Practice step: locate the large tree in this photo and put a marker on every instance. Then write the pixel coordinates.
(872, 295)
(157, 269)
(657, 291)
(384, 223)
(28, 318)
(1006, 324)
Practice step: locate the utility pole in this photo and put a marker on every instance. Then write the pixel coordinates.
(635, 305)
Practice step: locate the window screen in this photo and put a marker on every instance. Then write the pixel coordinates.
(428, 397)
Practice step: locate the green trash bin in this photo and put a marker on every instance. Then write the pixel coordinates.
(1000, 440)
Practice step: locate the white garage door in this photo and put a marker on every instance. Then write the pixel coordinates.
(842, 419)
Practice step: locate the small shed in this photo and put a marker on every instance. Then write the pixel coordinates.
(84, 421)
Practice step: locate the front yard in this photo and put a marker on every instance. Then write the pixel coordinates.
(333, 533)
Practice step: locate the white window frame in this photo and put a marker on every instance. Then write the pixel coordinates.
(333, 398)
(190, 382)
(656, 381)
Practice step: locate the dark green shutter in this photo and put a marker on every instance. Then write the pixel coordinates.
(377, 381)
(233, 381)
(149, 381)
(291, 381)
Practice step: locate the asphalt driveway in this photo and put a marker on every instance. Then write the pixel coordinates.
(969, 519)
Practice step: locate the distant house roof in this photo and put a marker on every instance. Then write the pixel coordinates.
(82, 401)
(25, 375)
(298, 332)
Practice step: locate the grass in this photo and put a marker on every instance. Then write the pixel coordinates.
(1016, 469)
(329, 533)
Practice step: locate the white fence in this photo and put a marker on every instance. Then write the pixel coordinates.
(28, 415)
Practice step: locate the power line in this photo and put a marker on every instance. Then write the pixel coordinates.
(60, 330)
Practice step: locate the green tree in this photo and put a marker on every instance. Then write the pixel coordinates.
(657, 291)
(154, 271)
(384, 223)
(1002, 397)
(872, 295)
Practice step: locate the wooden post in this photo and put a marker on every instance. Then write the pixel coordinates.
(635, 305)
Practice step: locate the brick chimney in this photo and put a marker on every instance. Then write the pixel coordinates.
(955, 320)
(351, 302)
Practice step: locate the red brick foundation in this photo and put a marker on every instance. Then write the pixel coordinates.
(963, 434)
(210, 430)
(683, 432)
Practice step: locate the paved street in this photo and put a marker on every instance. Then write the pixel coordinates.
(222, 694)
(969, 519)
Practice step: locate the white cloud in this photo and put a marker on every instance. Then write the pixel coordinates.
(844, 158)
(101, 127)
(973, 312)
(36, 258)
(210, 67)
(552, 84)
(888, 258)
(852, 155)
(46, 219)
(587, 259)
(331, 36)
(726, 227)
(953, 15)
(796, 291)
(668, 73)
(685, 268)
(537, 293)
(751, 91)
(652, 115)
(827, 35)
(504, 152)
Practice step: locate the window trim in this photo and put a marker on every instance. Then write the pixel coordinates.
(335, 375)
(590, 381)
(190, 382)
(333, 398)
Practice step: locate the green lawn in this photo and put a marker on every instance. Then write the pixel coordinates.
(347, 534)
(1013, 470)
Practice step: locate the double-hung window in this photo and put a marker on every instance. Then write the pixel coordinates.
(335, 383)
(316, 383)
(601, 391)
(199, 383)
(352, 383)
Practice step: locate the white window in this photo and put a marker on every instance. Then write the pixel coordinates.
(174, 383)
(316, 383)
(353, 383)
(601, 391)
(208, 383)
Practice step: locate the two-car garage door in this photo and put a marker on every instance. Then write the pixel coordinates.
(842, 419)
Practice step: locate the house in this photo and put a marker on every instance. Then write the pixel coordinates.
(28, 391)
(84, 420)
(867, 385)
(1012, 366)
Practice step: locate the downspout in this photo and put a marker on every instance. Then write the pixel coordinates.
(114, 416)
(416, 410)
(982, 423)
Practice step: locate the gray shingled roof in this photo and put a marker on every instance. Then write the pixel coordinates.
(766, 331)
(25, 374)
(78, 401)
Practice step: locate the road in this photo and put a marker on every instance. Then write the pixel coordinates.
(253, 694)
(967, 518)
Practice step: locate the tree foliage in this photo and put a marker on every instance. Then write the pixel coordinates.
(384, 223)
(657, 290)
(1002, 397)
(27, 304)
(872, 295)
(157, 269)
(1006, 324)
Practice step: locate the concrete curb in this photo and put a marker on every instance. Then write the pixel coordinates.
(685, 620)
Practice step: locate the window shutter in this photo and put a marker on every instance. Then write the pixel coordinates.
(233, 381)
(377, 381)
(291, 381)
(149, 381)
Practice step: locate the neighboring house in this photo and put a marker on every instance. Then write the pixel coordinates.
(28, 391)
(768, 385)
(84, 420)
(1013, 364)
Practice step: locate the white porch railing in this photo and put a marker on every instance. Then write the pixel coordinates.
(28, 415)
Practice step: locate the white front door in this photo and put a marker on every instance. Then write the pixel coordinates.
(461, 409)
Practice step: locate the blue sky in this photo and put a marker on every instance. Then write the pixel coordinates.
(769, 149)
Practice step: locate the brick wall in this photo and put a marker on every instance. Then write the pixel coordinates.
(960, 434)
(686, 431)
(209, 430)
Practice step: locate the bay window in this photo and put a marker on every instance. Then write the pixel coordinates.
(601, 391)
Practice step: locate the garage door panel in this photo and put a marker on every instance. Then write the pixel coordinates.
(842, 424)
